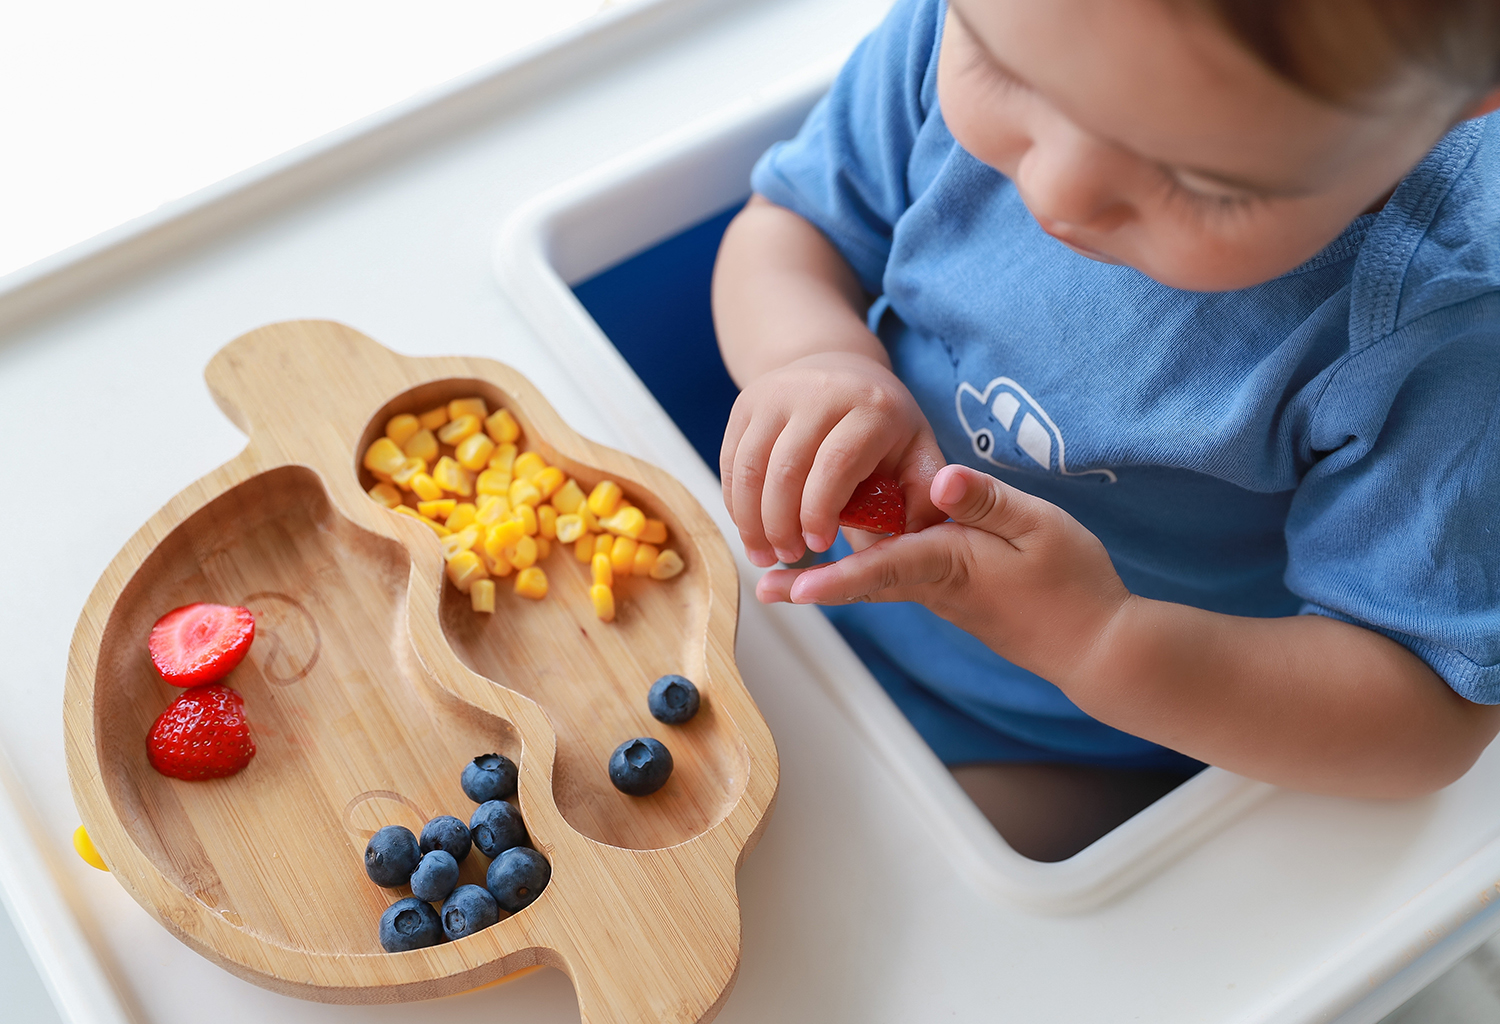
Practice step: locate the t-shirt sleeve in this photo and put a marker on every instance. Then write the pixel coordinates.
(1400, 532)
(846, 171)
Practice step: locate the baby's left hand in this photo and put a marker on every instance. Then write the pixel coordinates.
(1017, 572)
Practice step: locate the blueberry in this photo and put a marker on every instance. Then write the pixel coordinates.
(435, 877)
(409, 924)
(448, 833)
(468, 910)
(489, 777)
(517, 877)
(496, 827)
(673, 700)
(392, 856)
(640, 766)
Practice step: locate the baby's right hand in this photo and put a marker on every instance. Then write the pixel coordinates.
(801, 437)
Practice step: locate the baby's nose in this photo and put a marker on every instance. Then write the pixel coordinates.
(1068, 180)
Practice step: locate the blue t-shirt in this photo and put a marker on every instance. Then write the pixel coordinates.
(1327, 442)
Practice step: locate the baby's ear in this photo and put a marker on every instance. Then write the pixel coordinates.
(1486, 104)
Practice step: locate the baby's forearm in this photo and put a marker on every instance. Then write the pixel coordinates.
(1308, 702)
(781, 291)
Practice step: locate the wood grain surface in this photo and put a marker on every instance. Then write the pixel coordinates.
(371, 683)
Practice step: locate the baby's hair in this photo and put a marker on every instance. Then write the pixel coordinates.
(1345, 51)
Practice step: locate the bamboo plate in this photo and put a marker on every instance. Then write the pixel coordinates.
(371, 683)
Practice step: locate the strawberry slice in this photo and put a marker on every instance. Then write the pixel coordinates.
(877, 506)
(202, 735)
(200, 643)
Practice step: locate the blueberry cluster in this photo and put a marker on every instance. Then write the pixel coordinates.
(516, 877)
(642, 766)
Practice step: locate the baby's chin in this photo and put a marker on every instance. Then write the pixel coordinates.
(1203, 274)
(1093, 254)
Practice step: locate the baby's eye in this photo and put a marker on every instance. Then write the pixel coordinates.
(1205, 195)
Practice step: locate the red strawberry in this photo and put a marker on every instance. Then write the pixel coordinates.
(877, 506)
(200, 643)
(202, 735)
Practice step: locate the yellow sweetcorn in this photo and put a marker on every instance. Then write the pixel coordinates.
(528, 518)
(422, 445)
(437, 527)
(461, 540)
(568, 497)
(568, 529)
(502, 427)
(482, 596)
(504, 459)
(492, 481)
(622, 555)
(603, 543)
(528, 465)
(543, 548)
(654, 533)
(502, 535)
(425, 488)
(433, 418)
(384, 457)
(524, 492)
(645, 560)
(490, 509)
(548, 481)
(463, 515)
(410, 468)
(453, 478)
(626, 522)
(440, 508)
(603, 599)
(583, 548)
(590, 521)
(546, 521)
(401, 428)
(473, 452)
(465, 569)
(532, 582)
(458, 430)
(467, 407)
(386, 494)
(602, 571)
(604, 497)
(668, 564)
(500, 568)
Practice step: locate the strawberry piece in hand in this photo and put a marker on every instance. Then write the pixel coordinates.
(877, 506)
(200, 643)
(202, 735)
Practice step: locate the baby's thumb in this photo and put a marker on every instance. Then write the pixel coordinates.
(972, 498)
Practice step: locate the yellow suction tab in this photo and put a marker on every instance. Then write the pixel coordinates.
(85, 847)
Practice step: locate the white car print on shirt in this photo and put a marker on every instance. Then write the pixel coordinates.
(1005, 419)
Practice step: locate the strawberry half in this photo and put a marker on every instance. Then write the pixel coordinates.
(877, 506)
(202, 735)
(200, 643)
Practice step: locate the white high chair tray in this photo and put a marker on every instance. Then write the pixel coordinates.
(878, 893)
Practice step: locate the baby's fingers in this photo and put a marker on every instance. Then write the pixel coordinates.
(894, 569)
(786, 476)
(748, 482)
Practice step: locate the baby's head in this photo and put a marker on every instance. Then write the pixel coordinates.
(1211, 144)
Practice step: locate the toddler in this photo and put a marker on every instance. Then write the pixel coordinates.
(1179, 323)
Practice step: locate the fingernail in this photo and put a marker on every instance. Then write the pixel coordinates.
(949, 489)
(786, 557)
(760, 557)
(816, 543)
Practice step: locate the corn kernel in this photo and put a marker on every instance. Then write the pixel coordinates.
(464, 569)
(467, 407)
(654, 533)
(528, 465)
(384, 458)
(602, 571)
(603, 543)
(568, 497)
(504, 459)
(543, 548)
(433, 418)
(461, 516)
(668, 564)
(502, 535)
(410, 468)
(522, 553)
(385, 494)
(441, 508)
(482, 596)
(524, 492)
(548, 481)
(645, 560)
(473, 452)
(458, 430)
(437, 527)
(626, 522)
(568, 529)
(459, 541)
(453, 478)
(528, 518)
(425, 487)
(583, 549)
(491, 509)
(604, 497)
(590, 521)
(500, 568)
(422, 445)
(492, 481)
(502, 426)
(604, 602)
(622, 555)
(532, 582)
(546, 521)
(400, 428)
